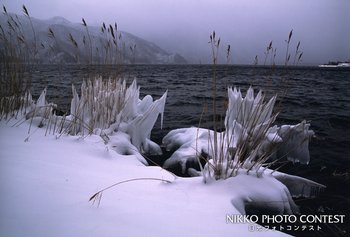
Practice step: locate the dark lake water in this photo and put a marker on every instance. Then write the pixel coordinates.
(318, 95)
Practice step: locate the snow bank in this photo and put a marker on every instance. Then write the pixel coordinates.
(46, 183)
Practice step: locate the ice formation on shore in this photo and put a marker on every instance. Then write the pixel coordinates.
(116, 107)
(249, 140)
(249, 135)
(113, 113)
(105, 108)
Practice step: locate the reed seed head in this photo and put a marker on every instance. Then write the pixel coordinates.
(290, 36)
(84, 22)
(25, 10)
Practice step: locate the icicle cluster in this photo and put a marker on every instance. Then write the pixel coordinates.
(104, 107)
(249, 139)
(99, 105)
(247, 117)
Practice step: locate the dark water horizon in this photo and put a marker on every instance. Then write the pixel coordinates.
(320, 96)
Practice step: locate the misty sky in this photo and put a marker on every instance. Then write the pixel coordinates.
(184, 26)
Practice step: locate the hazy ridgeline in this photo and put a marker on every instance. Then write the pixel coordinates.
(58, 41)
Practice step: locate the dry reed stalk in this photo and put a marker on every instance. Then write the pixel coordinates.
(98, 195)
(36, 52)
(287, 51)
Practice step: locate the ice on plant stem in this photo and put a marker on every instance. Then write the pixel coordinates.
(41, 108)
(141, 126)
(249, 140)
(296, 145)
(106, 107)
(247, 117)
(297, 186)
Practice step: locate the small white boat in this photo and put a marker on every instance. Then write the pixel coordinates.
(333, 65)
(343, 64)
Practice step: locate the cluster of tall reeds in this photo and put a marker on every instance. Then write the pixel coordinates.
(243, 144)
(112, 50)
(16, 52)
(99, 107)
(101, 100)
(249, 139)
(271, 53)
(19, 53)
(106, 51)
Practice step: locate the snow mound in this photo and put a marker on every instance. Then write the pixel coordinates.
(46, 183)
(261, 195)
(49, 181)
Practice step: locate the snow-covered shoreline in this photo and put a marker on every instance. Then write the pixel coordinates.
(53, 166)
(46, 183)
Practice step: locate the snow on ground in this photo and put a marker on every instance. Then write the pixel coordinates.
(46, 184)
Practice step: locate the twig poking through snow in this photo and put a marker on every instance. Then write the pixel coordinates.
(98, 195)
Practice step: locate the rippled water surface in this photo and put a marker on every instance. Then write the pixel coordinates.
(318, 95)
(313, 94)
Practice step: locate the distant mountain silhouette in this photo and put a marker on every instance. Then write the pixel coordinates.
(108, 46)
